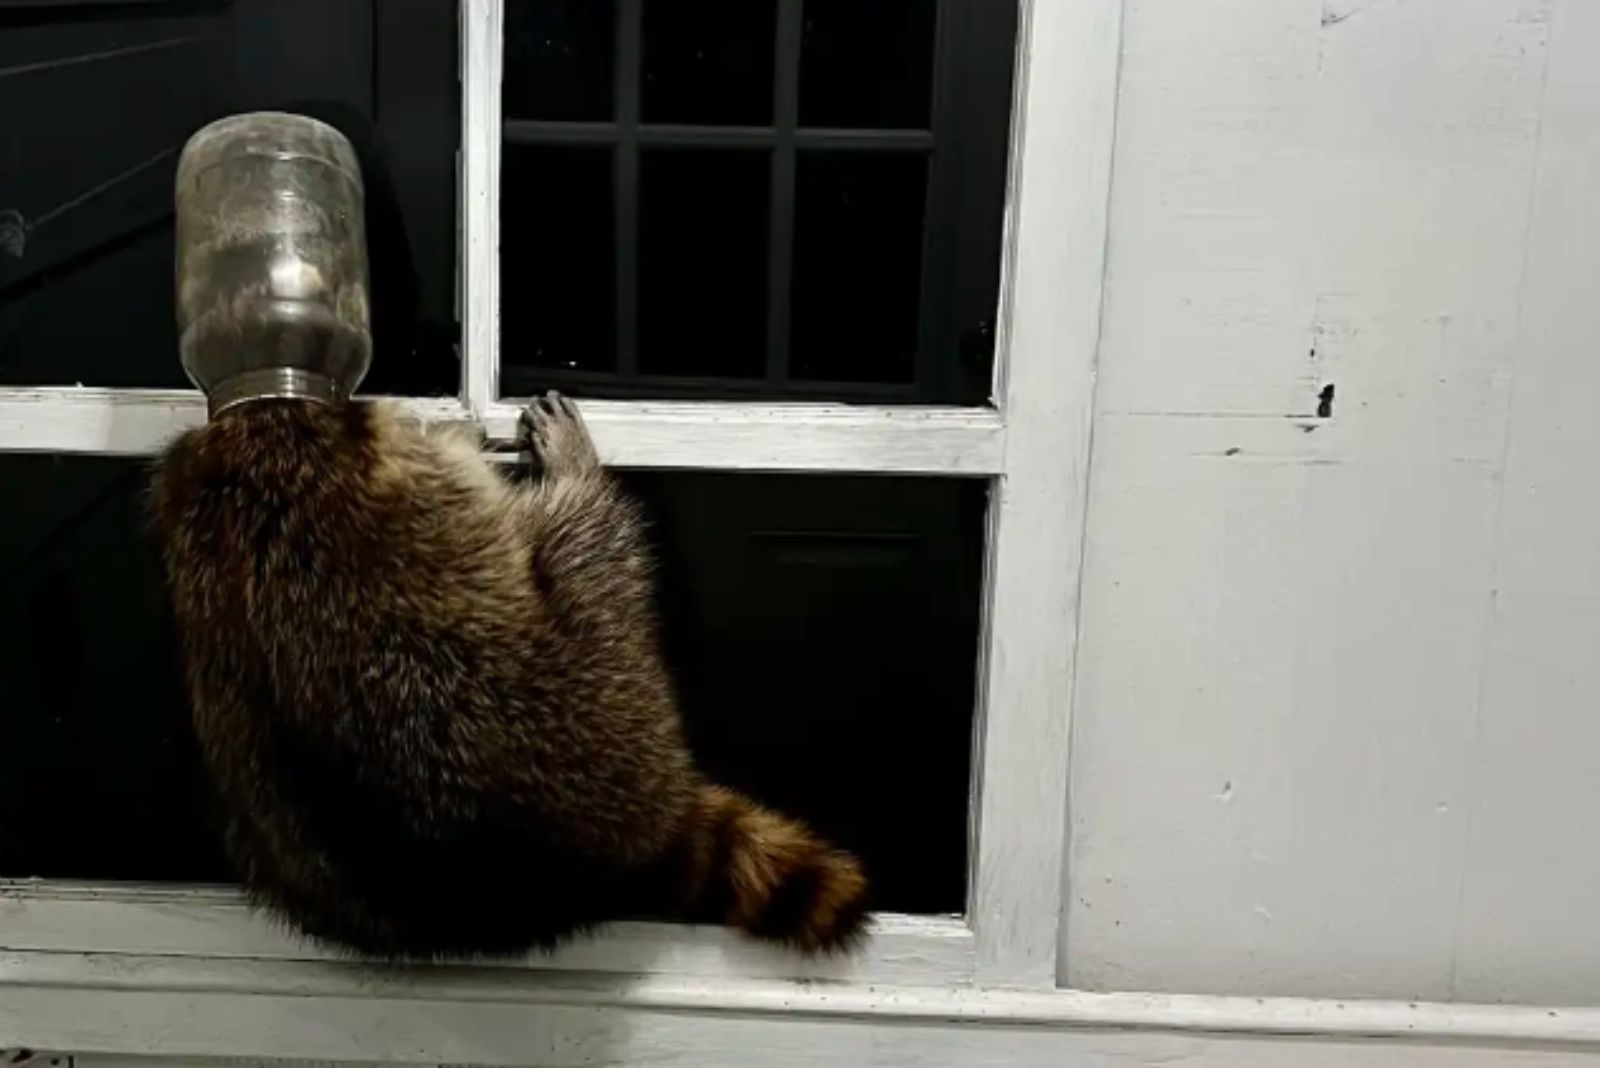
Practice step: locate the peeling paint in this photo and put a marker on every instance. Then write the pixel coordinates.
(1332, 17)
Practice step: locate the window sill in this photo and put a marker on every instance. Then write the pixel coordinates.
(216, 924)
(203, 1004)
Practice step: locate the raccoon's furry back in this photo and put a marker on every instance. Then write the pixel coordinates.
(432, 698)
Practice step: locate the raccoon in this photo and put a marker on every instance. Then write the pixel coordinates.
(432, 699)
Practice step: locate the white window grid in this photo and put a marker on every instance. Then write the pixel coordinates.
(1032, 444)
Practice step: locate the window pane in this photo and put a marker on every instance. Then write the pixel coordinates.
(412, 204)
(868, 64)
(92, 119)
(131, 337)
(557, 255)
(703, 262)
(559, 59)
(823, 632)
(709, 61)
(86, 191)
(858, 265)
(99, 773)
(880, 273)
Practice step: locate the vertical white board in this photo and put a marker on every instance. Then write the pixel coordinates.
(1277, 741)
(1528, 922)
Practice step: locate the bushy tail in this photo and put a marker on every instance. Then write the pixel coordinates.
(748, 867)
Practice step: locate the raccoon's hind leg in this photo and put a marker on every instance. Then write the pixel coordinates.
(590, 558)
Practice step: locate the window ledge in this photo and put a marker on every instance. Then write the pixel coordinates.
(179, 1006)
(215, 923)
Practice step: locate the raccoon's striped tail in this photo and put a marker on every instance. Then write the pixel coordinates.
(748, 867)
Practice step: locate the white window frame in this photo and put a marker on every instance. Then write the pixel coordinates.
(1032, 444)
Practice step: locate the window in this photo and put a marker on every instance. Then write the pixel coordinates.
(723, 437)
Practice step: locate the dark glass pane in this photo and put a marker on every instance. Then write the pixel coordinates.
(556, 257)
(412, 203)
(99, 773)
(823, 632)
(559, 59)
(894, 254)
(824, 635)
(709, 61)
(868, 63)
(702, 262)
(858, 265)
(104, 319)
(92, 118)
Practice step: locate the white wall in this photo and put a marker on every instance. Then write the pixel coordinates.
(1337, 728)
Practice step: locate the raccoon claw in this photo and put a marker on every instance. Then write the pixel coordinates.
(551, 428)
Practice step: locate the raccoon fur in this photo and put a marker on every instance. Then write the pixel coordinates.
(432, 699)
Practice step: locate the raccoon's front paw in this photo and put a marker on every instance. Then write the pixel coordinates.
(552, 429)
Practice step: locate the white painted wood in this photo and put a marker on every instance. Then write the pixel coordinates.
(1050, 319)
(712, 435)
(705, 435)
(216, 923)
(937, 1046)
(1336, 677)
(119, 423)
(97, 1060)
(1527, 921)
(483, 54)
(887, 1004)
(129, 422)
(181, 1007)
